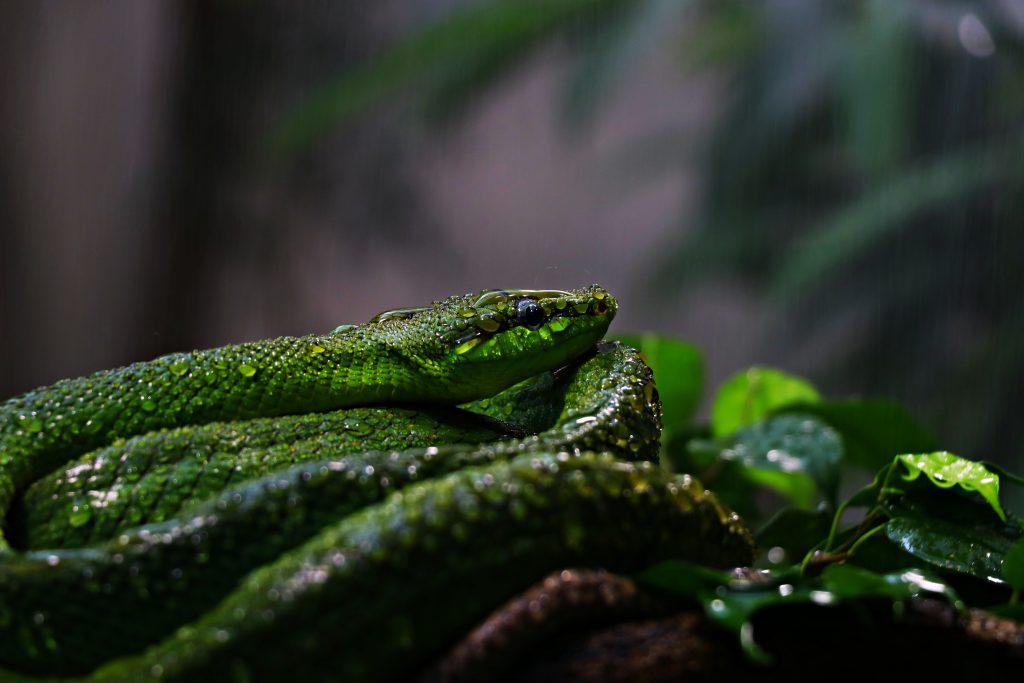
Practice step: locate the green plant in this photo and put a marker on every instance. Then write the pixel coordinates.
(933, 524)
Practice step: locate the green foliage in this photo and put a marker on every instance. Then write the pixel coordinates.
(976, 550)
(932, 519)
(796, 455)
(946, 470)
(442, 64)
(791, 533)
(875, 186)
(733, 602)
(1013, 566)
(946, 520)
(748, 396)
(873, 430)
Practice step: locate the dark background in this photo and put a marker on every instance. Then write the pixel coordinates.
(833, 188)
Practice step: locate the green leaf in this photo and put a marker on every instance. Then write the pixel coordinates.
(791, 533)
(748, 396)
(1013, 566)
(678, 373)
(732, 602)
(730, 480)
(683, 578)
(847, 582)
(946, 470)
(974, 549)
(874, 431)
(796, 487)
(793, 454)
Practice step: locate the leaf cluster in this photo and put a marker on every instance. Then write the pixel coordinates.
(849, 499)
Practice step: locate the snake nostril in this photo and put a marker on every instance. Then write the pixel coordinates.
(600, 307)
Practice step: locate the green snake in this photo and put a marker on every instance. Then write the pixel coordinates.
(318, 508)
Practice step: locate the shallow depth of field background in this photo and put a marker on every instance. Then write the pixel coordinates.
(833, 188)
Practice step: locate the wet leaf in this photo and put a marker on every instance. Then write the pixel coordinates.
(960, 545)
(732, 602)
(849, 582)
(792, 454)
(683, 578)
(749, 396)
(874, 431)
(1013, 566)
(791, 533)
(946, 470)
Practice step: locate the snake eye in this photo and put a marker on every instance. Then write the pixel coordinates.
(529, 314)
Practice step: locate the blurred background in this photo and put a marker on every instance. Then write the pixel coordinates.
(832, 188)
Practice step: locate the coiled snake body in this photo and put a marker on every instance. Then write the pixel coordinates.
(316, 508)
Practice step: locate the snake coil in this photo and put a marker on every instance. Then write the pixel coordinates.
(316, 507)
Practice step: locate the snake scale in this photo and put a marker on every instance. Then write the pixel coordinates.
(333, 507)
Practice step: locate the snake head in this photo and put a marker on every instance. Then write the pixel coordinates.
(509, 335)
(478, 344)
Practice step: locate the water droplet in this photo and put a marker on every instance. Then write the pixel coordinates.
(558, 324)
(467, 345)
(80, 514)
(29, 423)
(246, 370)
(488, 324)
(356, 426)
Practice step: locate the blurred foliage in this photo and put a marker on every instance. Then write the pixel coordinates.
(874, 187)
(865, 172)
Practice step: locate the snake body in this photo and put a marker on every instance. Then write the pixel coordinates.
(253, 512)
